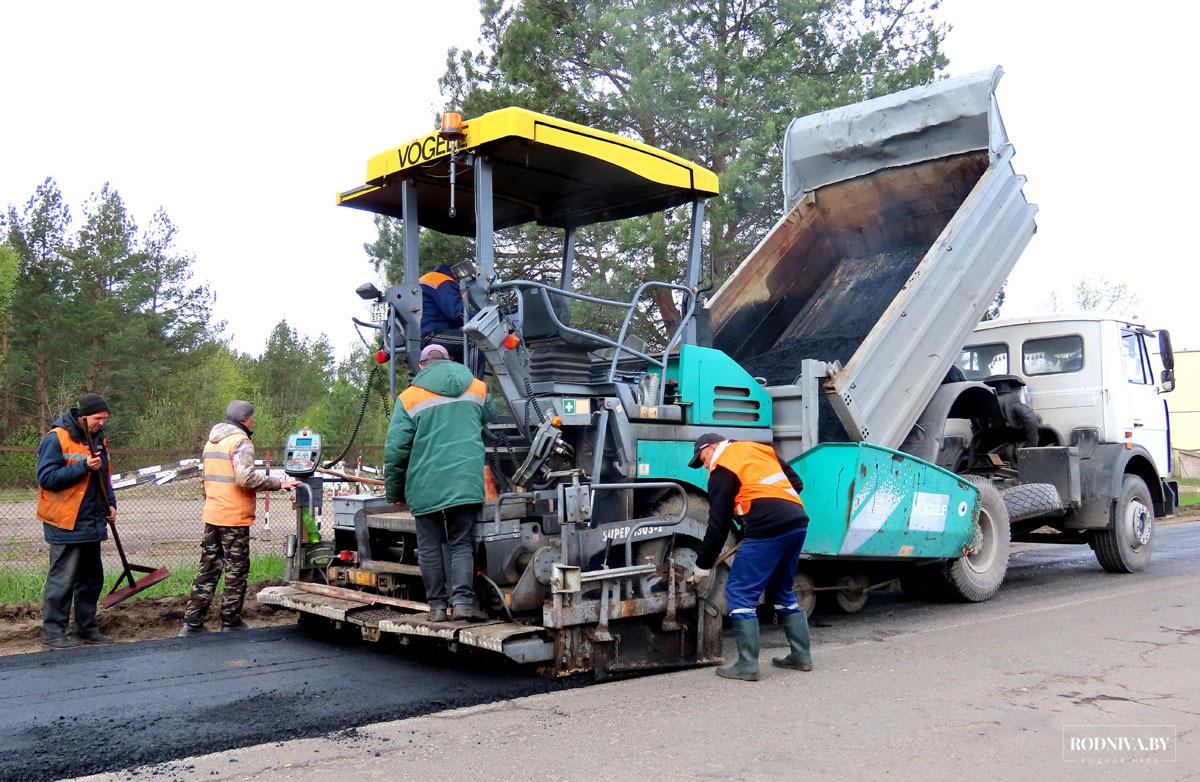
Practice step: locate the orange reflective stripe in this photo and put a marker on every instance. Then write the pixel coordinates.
(478, 388)
(416, 399)
(759, 472)
(413, 396)
(225, 503)
(434, 279)
(61, 508)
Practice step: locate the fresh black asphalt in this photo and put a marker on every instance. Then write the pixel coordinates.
(94, 709)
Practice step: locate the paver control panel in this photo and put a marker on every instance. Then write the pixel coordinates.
(302, 453)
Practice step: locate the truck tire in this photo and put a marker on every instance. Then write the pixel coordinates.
(803, 585)
(977, 576)
(1030, 500)
(1126, 546)
(852, 593)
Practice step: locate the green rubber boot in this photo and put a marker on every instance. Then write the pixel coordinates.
(795, 627)
(745, 631)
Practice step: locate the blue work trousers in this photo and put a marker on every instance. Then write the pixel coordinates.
(765, 563)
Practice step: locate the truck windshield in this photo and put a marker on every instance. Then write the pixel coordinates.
(980, 361)
(1053, 355)
(1131, 355)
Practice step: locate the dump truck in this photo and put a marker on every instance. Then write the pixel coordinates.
(832, 341)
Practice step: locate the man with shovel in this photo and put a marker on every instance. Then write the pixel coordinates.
(76, 502)
(230, 483)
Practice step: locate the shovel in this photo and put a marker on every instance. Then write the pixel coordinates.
(153, 575)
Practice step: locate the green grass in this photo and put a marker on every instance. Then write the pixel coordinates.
(1189, 481)
(18, 586)
(1188, 499)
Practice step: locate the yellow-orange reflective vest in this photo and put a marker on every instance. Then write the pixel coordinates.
(61, 508)
(225, 503)
(758, 470)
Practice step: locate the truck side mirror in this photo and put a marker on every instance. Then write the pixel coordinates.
(1168, 381)
(1164, 350)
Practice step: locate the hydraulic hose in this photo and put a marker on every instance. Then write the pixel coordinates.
(362, 410)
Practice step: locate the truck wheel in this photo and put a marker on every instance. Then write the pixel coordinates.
(1125, 547)
(851, 594)
(803, 586)
(977, 576)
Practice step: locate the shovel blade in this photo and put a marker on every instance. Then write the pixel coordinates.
(145, 582)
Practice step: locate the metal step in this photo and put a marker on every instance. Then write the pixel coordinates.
(519, 642)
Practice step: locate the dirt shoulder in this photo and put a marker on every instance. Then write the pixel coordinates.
(131, 621)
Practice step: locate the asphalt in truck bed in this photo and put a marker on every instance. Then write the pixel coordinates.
(108, 708)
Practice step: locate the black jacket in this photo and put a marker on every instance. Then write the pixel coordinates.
(767, 518)
(54, 473)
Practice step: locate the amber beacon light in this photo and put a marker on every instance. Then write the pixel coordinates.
(452, 126)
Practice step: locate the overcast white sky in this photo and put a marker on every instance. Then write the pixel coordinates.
(244, 119)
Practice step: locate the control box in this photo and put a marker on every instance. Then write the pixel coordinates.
(302, 453)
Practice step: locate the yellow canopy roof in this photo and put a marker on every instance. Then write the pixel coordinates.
(544, 170)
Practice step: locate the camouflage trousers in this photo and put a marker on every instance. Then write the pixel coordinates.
(227, 549)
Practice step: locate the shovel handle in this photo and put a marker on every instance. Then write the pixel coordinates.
(127, 574)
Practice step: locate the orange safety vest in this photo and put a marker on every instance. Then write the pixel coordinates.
(435, 279)
(61, 508)
(758, 470)
(225, 503)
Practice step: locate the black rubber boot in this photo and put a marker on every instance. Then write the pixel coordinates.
(795, 627)
(59, 642)
(469, 613)
(94, 638)
(745, 632)
(188, 629)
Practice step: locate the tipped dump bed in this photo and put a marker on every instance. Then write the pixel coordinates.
(904, 217)
(823, 278)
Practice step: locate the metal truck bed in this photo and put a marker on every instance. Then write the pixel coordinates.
(903, 217)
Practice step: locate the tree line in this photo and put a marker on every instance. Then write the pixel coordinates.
(104, 304)
(101, 303)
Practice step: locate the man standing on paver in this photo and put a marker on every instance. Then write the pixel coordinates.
(230, 483)
(433, 460)
(755, 490)
(76, 502)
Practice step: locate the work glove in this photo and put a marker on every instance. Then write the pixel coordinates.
(698, 574)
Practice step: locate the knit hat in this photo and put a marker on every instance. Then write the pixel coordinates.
(90, 404)
(434, 349)
(238, 411)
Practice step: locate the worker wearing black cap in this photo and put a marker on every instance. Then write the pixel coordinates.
(752, 488)
(76, 502)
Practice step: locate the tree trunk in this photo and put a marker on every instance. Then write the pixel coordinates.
(41, 392)
(667, 309)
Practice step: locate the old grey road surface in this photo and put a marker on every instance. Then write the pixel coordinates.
(904, 690)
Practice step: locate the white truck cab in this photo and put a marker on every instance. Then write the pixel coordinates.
(1098, 472)
(1083, 372)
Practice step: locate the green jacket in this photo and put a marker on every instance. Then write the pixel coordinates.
(433, 457)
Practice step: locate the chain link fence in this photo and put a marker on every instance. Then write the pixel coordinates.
(159, 506)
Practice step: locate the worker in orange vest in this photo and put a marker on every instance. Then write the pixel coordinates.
(76, 503)
(230, 483)
(442, 310)
(751, 488)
